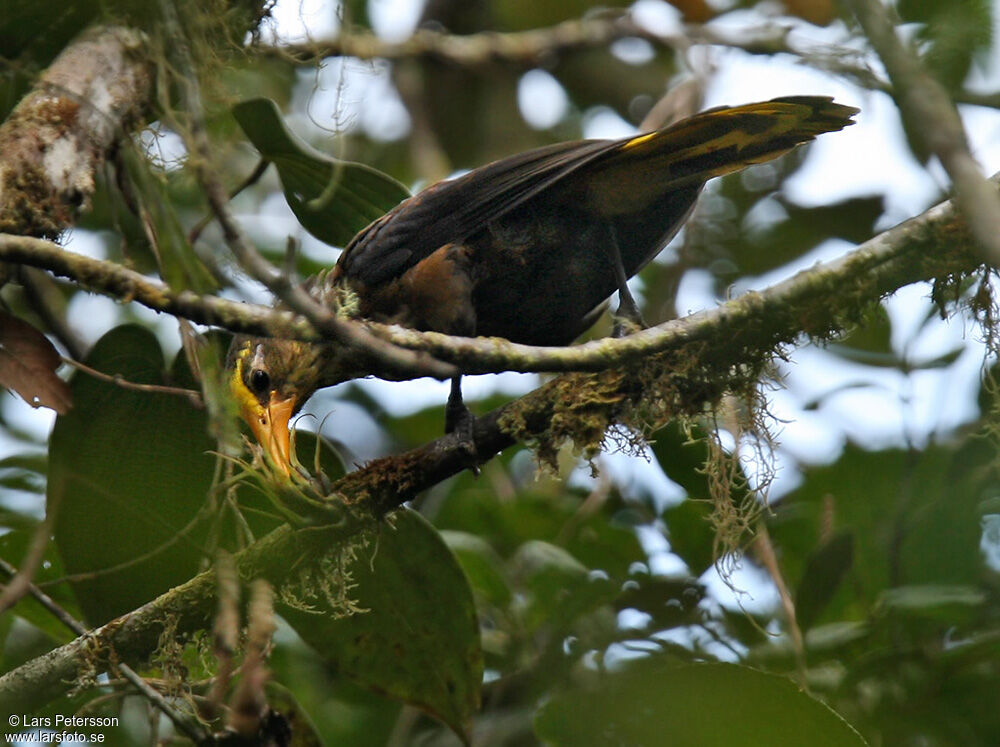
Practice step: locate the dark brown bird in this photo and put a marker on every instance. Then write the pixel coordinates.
(527, 248)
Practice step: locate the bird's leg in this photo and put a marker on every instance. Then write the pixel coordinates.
(458, 419)
(627, 318)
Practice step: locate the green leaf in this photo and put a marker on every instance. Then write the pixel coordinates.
(913, 516)
(683, 457)
(836, 636)
(333, 199)
(560, 589)
(175, 257)
(344, 713)
(872, 335)
(952, 34)
(691, 705)
(24, 471)
(691, 535)
(549, 516)
(546, 568)
(128, 473)
(419, 639)
(482, 566)
(670, 602)
(802, 229)
(947, 604)
(14, 548)
(825, 569)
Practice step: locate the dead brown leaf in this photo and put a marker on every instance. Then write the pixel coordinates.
(819, 12)
(28, 364)
(694, 11)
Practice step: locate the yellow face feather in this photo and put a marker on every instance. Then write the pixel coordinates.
(267, 410)
(237, 383)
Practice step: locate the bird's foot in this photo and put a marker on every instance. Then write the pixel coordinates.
(627, 322)
(458, 419)
(628, 318)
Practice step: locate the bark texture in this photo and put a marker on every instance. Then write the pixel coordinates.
(59, 135)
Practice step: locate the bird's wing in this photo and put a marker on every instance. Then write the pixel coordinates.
(450, 211)
(709, 144)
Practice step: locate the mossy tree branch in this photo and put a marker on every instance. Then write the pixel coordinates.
(818, 301)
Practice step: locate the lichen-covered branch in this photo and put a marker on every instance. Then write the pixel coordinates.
(523, 48)
(819, 301)
(57, 137)
(537, 47)
(116, 281)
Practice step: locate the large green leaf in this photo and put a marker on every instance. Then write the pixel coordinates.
(333, 199)
(128, 472)
(691, 706)
(419, 638)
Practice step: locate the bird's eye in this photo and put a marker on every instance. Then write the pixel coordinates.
(260, 382)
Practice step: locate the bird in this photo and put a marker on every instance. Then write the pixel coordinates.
(527, 248)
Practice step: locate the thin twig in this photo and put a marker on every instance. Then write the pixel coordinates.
(764, 551)
(531, 48)
(118, 380)
(45, 600)
(46, 300)
(253, 178)
(184, 725)
(21, 582)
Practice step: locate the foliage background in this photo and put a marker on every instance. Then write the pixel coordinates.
(593, 591)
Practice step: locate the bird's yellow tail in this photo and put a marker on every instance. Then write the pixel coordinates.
(720, 141)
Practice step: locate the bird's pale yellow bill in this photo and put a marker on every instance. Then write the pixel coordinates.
(270, 427)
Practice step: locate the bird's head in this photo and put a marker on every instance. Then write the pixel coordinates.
(271, 379)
